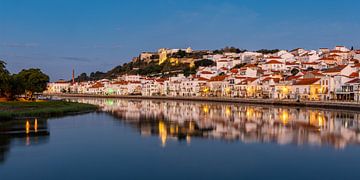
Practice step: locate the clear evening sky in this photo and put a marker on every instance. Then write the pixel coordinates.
(90, 35)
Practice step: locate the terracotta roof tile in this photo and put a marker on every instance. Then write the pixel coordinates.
(335, 69)
(97, 85)
(306, 81)
(354, 74)
(354, 81)
(218, 78)
(273, 62)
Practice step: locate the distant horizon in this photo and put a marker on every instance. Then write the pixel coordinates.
(60, 35)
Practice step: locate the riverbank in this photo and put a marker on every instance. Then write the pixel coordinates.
(317, 104)
(18, 110)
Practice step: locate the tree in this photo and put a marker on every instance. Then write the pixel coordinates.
(310, 69)
(218, 51)
(188, 71)
(239, 66)
(180, 54)
(229, 50)
(204, 63)
(30, 81)
(295, 71)
(82, 77)
(5, 80)
(268, 51)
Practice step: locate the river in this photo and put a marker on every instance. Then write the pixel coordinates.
(156, 139)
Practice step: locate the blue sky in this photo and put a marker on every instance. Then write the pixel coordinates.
(90, 35)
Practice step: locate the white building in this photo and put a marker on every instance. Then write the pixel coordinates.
(60, 86)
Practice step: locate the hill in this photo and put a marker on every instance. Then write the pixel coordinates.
(152, 68)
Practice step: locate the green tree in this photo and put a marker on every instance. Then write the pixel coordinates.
(228, 49)
(268, 51)
(30, 81)
(204, 63)
(82, 77)
(295, 71)
(180, 54)
(5, 80)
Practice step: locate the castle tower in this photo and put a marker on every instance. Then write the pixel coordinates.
(162, 55)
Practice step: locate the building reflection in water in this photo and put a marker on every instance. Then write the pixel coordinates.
(181, 120)
(22, 132)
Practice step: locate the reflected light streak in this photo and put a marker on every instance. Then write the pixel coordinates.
(284, 117)
(36, 125)
(27, 127)
(162, 133)
(206, 109)
(228, 111)
(188, 139)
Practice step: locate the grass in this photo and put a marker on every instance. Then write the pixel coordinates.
(17, 110)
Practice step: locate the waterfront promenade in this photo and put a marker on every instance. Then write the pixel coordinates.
(344, 105)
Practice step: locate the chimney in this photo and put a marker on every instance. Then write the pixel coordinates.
(73, 76)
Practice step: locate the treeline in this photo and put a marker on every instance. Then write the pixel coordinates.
(238, 50)
(268, 51)
(152, 68)
(229, 50)
(26, 82)
(92, 77)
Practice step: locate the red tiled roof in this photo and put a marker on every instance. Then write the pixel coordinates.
(315, 73)
(250, 65)
(274, 79)
(357, 65)
(310, 63)
(160, 80)
(135, 82)
(292, 78)
(202, 79)
(306, 81)
(357, 80)
(247, 80)
(120, 82)
(218, 78)
(338, 51)
(251, 79)
(354, 74)
(335, 69)
(291, 63)
(273, 62)
(97, 85)
(235, 71)
(240, 77)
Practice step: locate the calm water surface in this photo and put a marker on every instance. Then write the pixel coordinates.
(133, 139)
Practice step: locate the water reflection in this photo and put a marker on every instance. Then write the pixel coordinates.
(180, 120)
(22, 132)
